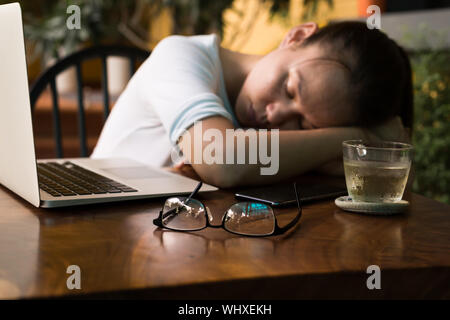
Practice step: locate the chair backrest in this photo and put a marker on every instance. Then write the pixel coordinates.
(75, 60)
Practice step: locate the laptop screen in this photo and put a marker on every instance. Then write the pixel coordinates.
(17, 155)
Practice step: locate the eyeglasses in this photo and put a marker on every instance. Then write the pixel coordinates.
(254, 219)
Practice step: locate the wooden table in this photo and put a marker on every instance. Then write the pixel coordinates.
(121, 253)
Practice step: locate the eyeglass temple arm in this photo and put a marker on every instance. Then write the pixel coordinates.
(293, 222)
(199, 185)
(174, 210)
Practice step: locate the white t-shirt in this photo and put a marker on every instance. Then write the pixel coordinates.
(180, 83)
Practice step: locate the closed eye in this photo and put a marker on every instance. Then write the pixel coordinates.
(305, 124)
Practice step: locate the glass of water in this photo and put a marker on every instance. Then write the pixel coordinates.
(376, 172)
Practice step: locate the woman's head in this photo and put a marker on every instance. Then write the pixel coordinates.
(342, 74)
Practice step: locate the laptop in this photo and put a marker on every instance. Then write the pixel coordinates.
(62, 182)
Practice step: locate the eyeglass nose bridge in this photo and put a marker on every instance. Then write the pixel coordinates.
(210, 218)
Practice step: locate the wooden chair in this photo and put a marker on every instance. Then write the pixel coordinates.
(75, 60)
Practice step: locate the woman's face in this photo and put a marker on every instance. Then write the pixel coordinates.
(295, 88)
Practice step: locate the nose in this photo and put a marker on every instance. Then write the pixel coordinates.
(276, 114)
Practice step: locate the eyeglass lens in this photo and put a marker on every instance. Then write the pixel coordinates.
(183, 216)
(250, 218)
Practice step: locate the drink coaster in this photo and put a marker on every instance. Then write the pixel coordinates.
(384, 208)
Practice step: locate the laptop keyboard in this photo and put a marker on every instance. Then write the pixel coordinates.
(69, 179)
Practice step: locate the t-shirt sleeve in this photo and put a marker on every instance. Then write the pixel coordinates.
(180, 83)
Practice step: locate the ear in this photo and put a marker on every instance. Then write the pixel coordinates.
(299, 33)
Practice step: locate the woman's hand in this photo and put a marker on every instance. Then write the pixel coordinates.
(186, 169)
(390, 130)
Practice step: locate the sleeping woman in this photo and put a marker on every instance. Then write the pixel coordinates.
(321, 86)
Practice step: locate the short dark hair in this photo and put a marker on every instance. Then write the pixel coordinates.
(380, 71)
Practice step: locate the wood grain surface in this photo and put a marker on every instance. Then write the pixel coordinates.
(121, 253)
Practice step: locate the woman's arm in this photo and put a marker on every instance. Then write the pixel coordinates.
(391, 130)
(298, 151)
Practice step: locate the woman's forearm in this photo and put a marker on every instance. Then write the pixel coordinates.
(298, 151)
